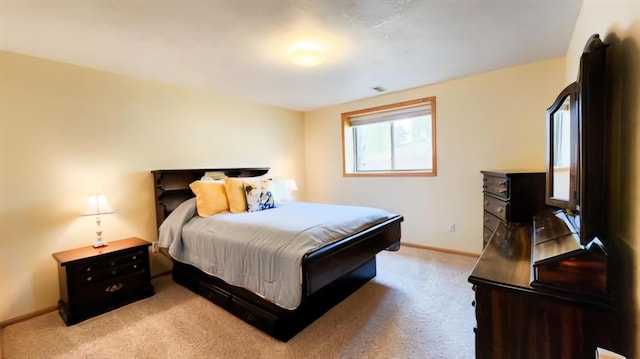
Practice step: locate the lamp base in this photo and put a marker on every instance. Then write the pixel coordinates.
(99, 244)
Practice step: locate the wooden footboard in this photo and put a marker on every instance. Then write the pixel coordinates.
(329, 276)
(329, 263)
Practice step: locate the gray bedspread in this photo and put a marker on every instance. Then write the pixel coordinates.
(262, 251)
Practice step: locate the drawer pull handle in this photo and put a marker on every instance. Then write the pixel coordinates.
(113, 272)
(134, 257)
(487, 221)
(485, 186)
(486, 203)
(473, 303)
(88, 269)
(112, 263)
(135, 266)
(502, 183)
(114, 288)
(88, 279)
(501, 209)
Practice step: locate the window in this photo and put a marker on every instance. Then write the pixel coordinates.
(391, 140)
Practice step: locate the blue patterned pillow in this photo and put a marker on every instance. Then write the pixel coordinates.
(259, 195)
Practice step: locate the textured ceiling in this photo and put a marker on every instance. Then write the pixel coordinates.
(238, 47)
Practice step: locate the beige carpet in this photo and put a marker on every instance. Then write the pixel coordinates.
(419, 306)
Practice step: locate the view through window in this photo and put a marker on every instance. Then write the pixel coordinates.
(391, 140)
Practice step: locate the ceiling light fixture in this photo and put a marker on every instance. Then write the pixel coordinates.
(307, 54)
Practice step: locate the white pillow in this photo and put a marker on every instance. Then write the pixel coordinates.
(280, 190)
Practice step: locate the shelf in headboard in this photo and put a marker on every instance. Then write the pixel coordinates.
(172, 186)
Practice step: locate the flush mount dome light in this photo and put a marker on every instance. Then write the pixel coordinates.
(307, 54)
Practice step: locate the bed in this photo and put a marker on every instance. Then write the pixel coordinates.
(328, 274)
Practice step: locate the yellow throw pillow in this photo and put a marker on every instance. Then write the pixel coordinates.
(211, 197)
(235, 195)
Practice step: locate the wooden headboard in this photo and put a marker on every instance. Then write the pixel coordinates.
(172, 186)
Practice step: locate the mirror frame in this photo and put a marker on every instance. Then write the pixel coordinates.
(586, 205)
(591, 110)
(571, 203)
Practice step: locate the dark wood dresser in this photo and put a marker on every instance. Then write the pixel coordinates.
(510, 195)
(516, 320)
(547, 284)
(96, 280)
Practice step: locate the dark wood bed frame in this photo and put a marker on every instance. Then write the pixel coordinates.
(330, 274)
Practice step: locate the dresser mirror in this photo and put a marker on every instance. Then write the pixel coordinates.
(562, 164)
(575, 146)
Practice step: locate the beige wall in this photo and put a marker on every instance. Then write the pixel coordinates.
(618, 24)
(494, 120)
(66, 132)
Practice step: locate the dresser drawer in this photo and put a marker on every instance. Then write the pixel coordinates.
(496, 207)
(486, 235)
(490, 221)
(498, 186)
(511, 196)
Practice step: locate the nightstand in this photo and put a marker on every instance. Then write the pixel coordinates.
(96, 280)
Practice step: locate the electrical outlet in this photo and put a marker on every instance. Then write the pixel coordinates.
(452, 227)
(154, 247)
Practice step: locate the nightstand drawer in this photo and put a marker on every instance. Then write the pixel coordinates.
(98, 273)
(112, 289)
(114, 260)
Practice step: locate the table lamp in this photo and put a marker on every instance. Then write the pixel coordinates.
(98, 205)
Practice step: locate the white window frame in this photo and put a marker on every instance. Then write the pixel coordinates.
(386, 113)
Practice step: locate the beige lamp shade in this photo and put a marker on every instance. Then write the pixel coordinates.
(96, 205)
